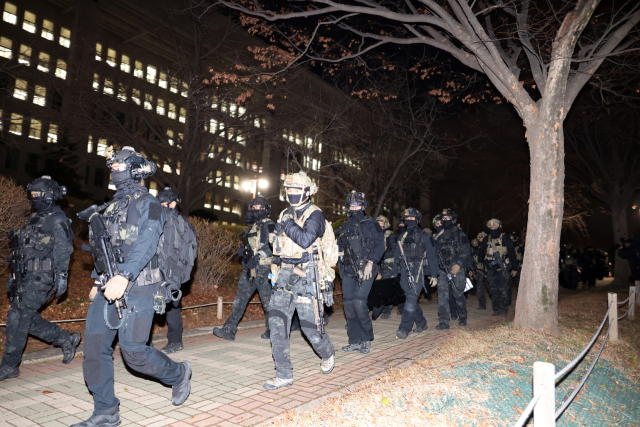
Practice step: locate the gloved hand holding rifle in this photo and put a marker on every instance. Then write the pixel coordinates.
(18, 268)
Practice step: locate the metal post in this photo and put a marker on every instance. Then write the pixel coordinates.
(613, 317)
(632, 302)
(220, 308)
(544, 413)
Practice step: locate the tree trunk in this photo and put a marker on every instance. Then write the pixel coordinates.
(536, 306)
(620, 229)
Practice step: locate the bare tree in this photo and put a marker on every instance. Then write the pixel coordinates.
(490, 37)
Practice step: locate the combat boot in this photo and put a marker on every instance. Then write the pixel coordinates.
(69, 347)
(352, 347)
(365, 347)
(401, 334)
(419, 329)
(180, 392)
(7, 372)
(172, 347)
(462, 322)
(266, 335)
(386, 315)
(224, 332)
(277, 383)
(327, 365)
(102, 420)
(442, 326)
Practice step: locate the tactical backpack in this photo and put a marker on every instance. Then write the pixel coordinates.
(177, 250)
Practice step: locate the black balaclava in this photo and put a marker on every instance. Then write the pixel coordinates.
(258, 214)
(495, 233)
(356, 215)
(448, 224)
(40, 205)
(411, 223)
(401, 226)
(123, 179)
(438, 227)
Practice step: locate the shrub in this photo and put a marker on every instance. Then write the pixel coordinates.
(216, 247)
(14, 212)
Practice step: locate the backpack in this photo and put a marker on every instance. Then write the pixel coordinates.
(177, 249)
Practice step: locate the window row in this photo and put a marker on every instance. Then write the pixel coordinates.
(340, 157)
(24, 57)
(227, 204)
(10, 15)
(35, 126)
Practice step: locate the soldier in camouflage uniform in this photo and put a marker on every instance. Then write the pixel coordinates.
(387, 262)
(39, 263)
(256, 257)
(498, 246)
(454, 257)
(299, 228)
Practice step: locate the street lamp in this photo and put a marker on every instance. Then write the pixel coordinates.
(252, 185)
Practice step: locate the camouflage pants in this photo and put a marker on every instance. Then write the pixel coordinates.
(457, 290)
(246, 287)
(412, 313)
(289, 295)
(25, 321)
(498, 290)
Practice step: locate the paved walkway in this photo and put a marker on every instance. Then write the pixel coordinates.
(227, 378)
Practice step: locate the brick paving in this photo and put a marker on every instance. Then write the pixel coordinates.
(227, 378)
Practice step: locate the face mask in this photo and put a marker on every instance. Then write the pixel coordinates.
(401, 228)
(411, 223)
(357, 213)
(294, 199)
(257, 215)
(40, 205)
(496, 233)
(120, 176)
(448, 224)
(438, 228)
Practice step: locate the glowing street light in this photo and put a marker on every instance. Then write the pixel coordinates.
(252, 185)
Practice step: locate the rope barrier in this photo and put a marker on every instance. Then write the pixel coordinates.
(624, 315)
(529, 409)
(625, 301)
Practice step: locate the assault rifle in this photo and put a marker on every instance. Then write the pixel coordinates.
(498, 261)
(350, 256)
(18, 267)
(101, 250)
(447, 268)
(410, 279)
(314, 280)
(247, 254)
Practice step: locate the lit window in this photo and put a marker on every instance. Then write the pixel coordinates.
(236, 182)
(160, 107)
(96, 82)
(178, 169)
(61, 69)
(65, 37)
(9, 14)
(47, 30)
(108, 87)
(98, 52)
(148, 101)
(234, 207)
(135, 96)
(223, 106)
(16, 124)
(314, 165)
(40, 96)
(35, 129)
(213, 125)
(214, 102)
(320, 147)
(207, 200)
(25, 55)
(241, 140)
(153, 188)
(174, 86)
(256, 122)
(90, 145)
(137, 71)
(216, 205)
(122, 93)
(233, 109)
(52, 135)
(172, 111)
(102, 147)
(226, 207)
(238, 159)
(166, 168)
(29, 22)
(5, 48)
(20, 90)
(111, 57)
(218, 177)
(125, 65)
(227, 181)
(183, 116)
(185, 90)
(43, 62)
(162, 82)
(151, 74)
(228, 159)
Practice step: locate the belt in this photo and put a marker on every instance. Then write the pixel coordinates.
(37, 264)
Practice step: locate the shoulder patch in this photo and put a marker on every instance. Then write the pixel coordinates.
(155, 211)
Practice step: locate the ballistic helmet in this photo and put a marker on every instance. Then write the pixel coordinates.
(412, 212)
(384, 220)
(436, 219)
(481, 235)
(451, 213)
(138, 166)
(260, 201)
(514, 236)
(494, 223)
(168, 196)
(474, 242)
(301, 180)
(357, 198)
(46, 189)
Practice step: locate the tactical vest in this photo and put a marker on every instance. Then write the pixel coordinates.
(122, 219)
(413, 246)
(496, 245)
(448, 245)
(177, 248)
(254, 238)
(354, 236)
(283, 246)
(519, 253)
(37, 242)
(388, 256)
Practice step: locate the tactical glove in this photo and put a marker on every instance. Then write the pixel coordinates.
(262, 254)
(251, 264)
(433, 281)
(328, 294)
(241, 251)
(276, 261)
(455, 269)
(61, 284)
(86, 214)
(514, 273)
(368, 270)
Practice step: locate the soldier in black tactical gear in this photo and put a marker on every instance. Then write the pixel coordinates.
(588, 264)
(498, 257)
(453, 307)
(415, 257)
(569, 273)
(454, 255)
(256, 255)
(630, 250)
(169, 200)
(402, 227)
(478, 274)
(39, 263)
(361, 241)
(387, 264)
(134, 222)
